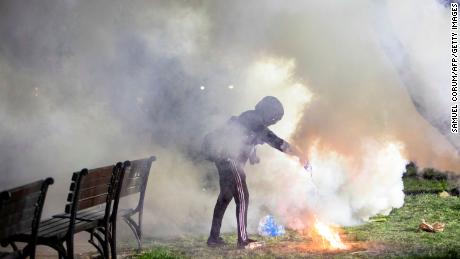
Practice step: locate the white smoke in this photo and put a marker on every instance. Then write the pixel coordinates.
(340, 189)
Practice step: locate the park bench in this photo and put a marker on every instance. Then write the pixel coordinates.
(135, 176)
(89, 190)
(93, 206)
(134, 182)
(20, 211)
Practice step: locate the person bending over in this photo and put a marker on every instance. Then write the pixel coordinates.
(230, 147)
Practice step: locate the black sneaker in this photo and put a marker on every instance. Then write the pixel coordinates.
(215, 242)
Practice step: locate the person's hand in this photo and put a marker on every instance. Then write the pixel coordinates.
(308, 167)
(295, 151)
(303, 160)
(254, 160)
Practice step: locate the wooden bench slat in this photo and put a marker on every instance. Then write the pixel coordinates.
(23, 191)
(15, 213)
(50, 223)
(19, 227)
(87, 215)
(94, 191)
(105, 170)
(47, 222)
(93, 201)
(61, 230)
(18, 205)
(81, 213)
(59, 225)
(91, 181)
(58, 230)
(25, 216)
(92, 214)
(100, 213)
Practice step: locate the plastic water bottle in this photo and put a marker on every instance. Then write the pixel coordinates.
(269, 227)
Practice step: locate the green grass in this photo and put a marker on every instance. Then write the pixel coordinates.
(161, 253)
(413, 184)
(393, 236)
(400, 231)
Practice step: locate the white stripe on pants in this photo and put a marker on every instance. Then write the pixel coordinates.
(241, 195)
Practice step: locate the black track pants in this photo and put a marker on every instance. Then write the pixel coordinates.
(232, 181)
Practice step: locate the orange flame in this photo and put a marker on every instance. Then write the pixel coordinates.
(329, 235)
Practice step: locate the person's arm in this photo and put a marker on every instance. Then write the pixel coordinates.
(276, 142)
(295, 151)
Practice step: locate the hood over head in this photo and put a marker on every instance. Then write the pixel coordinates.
(271, 110)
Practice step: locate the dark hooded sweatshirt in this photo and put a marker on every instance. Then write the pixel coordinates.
(242, 132)
(257, 133)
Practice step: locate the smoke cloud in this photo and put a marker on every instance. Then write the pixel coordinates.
(87, 84)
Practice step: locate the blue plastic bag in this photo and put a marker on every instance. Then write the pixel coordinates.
(269, 227)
